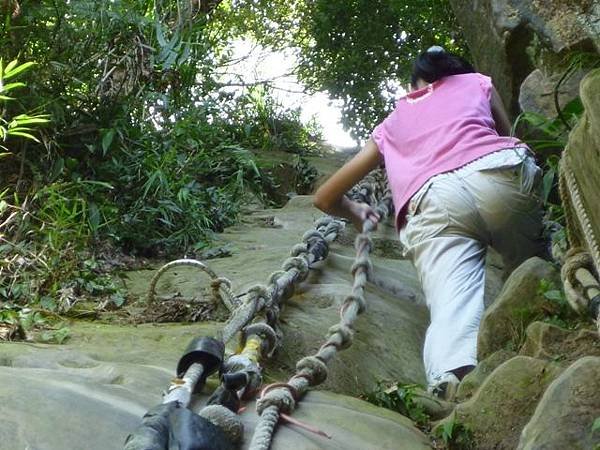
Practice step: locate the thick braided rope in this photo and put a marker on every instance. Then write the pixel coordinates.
(312, 370)
(576, 258)
(281, 283)
(570, 191)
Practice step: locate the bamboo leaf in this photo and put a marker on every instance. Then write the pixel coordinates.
(10, 86)
(17, 70)
(27, 135)
(11, 65)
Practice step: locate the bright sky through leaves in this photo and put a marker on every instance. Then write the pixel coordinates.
(254, 63)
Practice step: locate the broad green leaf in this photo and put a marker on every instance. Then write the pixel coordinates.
(11, 65)
(107, 140)
(27, 135)
(10, 86)
(17, 70)
(596, 425)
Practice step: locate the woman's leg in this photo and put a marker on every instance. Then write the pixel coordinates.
(442, 240)
(452, 272)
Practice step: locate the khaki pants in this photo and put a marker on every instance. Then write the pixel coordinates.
(449, 227)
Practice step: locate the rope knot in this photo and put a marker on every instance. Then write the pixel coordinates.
(281, 395)
(364, 263)
(226, 420)
(298, 249)
(341, 336)
(313, 369)
(323, 221)
(260, 291)
(299, 264)
(353, 298)
(312, 234)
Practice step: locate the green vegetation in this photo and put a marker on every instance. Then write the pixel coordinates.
(547, 137)
(400, 398)
(118, 131)
(557, 309)
(454, 434)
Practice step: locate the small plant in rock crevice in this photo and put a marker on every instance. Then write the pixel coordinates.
(455, 435)
(557, 310)
(400, 398)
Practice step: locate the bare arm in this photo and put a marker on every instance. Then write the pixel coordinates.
(330, 196)
(503, 125)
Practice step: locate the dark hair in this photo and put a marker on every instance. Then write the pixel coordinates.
(436, 63)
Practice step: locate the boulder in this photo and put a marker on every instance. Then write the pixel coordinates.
(547, 341)
(507, 37)
(518, 304)
(504, 403)
(393, 326)
(92, 393)
(537, 92)
(565, 414)
(475, 379)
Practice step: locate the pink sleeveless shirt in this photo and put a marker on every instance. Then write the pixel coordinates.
(437, 129)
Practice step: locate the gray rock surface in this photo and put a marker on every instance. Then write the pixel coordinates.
(518, 304)
(537, 92)
(504, 403)
(507, 37)
(565, 414)
(92, 393)
(547, 341)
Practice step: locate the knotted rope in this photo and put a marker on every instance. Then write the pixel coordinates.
(281, 398)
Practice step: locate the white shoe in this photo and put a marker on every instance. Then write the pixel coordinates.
(444, 386)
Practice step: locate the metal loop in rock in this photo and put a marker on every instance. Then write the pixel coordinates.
(314, 369)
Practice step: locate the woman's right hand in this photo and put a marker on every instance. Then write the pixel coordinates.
(361, 212)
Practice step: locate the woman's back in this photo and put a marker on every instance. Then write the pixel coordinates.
(436, 129)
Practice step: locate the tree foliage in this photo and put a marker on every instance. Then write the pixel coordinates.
(361, 50)
(121, 129)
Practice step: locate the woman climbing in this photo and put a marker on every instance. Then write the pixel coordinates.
(459, 183)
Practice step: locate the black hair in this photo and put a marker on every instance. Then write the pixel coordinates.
(431, 65)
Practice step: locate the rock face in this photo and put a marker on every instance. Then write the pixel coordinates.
(504, 403)
(518, 304)
(537, 92)
(92, 393)
(546, 341)
(564, 416)
(108, 376)
(506, 37)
